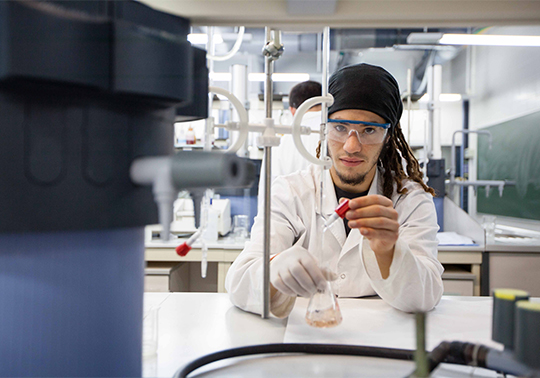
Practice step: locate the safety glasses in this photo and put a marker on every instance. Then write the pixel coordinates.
(339, 130)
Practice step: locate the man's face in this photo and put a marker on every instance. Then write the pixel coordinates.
(354, 164)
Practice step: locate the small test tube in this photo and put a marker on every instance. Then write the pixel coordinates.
(338, 213)
(185, 247)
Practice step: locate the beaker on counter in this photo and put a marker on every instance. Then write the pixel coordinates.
(240, 231)
(489, 224)
(150, 331)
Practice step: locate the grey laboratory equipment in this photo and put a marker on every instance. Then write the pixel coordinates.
(436, 179)
(87, 88)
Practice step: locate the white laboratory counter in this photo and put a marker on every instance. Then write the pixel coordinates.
(194, 324)
(161, 257)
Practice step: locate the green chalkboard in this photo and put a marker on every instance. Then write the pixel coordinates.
(514, 156)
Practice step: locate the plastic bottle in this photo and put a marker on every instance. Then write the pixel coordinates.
(190, 136)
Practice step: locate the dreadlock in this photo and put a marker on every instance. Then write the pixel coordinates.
(391, 161)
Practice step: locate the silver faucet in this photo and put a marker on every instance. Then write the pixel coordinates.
(453, 162)
(487, 183)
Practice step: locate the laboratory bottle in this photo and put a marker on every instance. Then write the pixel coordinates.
(190, 136)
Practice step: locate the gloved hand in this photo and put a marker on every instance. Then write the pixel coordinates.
(295, 272)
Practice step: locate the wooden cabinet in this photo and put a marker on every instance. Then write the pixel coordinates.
(513, 266)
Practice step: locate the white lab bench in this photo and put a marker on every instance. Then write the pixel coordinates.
(194, 324)
(162, 258)
(469, 270)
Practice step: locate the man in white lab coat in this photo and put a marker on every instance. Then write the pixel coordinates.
(387, 244)
(285, 158)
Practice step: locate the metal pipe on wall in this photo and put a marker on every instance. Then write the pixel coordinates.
(409, 104)
(434, 91)
(239, 88)
(464, 195)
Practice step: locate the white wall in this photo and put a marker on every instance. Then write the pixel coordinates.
(505, 85)
(506, 80)
(451, 120)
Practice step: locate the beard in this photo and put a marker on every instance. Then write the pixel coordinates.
(354, 179)
(358, 178)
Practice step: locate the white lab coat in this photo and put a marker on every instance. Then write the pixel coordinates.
(286, 159)
(414, 283)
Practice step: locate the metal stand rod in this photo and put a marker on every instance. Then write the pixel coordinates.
(268, 97)
(420, 356)
(267, 210)
(409, 104)
(324, 108)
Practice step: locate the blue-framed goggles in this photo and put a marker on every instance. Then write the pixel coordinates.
(339, 130)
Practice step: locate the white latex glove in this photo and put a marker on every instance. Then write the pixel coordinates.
(295, 272)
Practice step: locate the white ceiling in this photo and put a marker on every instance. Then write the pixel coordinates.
(301, 20)
(286, 15)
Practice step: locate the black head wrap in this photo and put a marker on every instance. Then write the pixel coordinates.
(366, 87)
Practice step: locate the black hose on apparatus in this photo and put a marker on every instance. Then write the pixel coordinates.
(331, 349)
(455, 352)
(458, 353)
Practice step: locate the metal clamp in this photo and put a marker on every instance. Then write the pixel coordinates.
(242, 114)
(325, 161)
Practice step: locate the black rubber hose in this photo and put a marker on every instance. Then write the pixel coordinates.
(332, 349)
(438, 355)
(458, 353)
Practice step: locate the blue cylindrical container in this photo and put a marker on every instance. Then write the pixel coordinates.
(71, 303)
(86, 87)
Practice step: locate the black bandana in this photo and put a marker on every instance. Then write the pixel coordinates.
(366, 87)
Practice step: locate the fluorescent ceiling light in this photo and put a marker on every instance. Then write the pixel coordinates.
(278, 77)
(220, 76)
(449, 97)
(290, 77)
(473, 39)
(490, 40)
(443, 97)
(202, 38)
(248, 37)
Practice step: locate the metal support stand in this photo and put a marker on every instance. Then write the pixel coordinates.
(271, 51)
(324, 110)
(421, 356)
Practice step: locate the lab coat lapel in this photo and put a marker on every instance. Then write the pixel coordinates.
(337, 231)
(355, 238)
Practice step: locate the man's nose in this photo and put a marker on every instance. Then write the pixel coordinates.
(352, 144)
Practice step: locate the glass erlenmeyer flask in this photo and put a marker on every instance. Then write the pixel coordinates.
(323, 309)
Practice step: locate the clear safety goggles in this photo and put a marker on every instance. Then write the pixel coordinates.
(339, 130)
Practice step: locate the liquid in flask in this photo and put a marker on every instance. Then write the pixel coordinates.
(323, 309)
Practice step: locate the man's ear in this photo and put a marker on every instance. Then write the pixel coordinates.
(293, 110)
